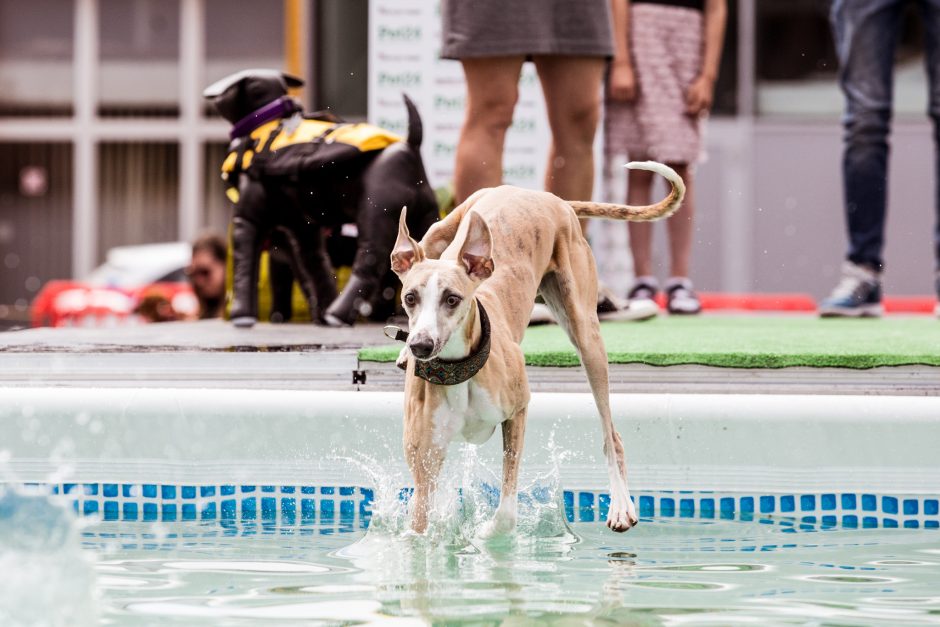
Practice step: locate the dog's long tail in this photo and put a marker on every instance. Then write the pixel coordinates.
(415, 127)
(663, 209)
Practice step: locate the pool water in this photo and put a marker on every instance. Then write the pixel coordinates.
(668, 571)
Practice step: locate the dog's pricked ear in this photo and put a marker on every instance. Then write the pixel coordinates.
(476, 252)
(407, 252)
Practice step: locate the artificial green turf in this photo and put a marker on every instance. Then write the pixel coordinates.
(740, 342)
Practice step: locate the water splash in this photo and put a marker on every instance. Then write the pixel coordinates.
(45, 577)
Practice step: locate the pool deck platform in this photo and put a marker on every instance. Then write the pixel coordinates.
(306, 357)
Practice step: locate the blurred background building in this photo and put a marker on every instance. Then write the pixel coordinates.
(105, 140)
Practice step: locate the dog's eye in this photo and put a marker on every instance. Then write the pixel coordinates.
(409, 299)
(452, 300)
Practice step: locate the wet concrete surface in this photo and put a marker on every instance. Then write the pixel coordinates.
(213, 353)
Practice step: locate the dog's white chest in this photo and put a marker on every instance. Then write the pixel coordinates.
(467, 410)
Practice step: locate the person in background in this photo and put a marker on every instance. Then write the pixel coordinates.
(866, 34)
(206, 274)
(570, 42)
(660, 88)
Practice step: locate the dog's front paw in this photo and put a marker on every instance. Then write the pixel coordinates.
(622, 514)
(499, 525)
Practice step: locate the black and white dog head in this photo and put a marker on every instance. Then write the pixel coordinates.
(242, 93)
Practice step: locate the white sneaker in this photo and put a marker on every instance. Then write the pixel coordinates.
(541, 314)
(681, 298)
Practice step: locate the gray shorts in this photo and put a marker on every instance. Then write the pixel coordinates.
(496, 28)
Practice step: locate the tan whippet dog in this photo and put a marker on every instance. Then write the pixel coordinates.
(499, 249)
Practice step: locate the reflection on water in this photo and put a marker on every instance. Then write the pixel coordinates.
(671, 572)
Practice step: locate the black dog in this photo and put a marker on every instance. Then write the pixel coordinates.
(292, 175)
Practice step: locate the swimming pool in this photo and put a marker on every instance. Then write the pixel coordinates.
(256, 505)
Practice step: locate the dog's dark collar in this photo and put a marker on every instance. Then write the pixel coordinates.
(443, 372)
(274, 110)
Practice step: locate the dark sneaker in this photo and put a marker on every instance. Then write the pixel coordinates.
(936, 309)
(858, 294)
(644, 288)
(681, 298)
(609, 307)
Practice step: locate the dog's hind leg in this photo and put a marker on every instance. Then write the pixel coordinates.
(504, 520)
(571, 294)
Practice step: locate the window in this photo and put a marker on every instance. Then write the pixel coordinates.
(797, 68)
(36, 46)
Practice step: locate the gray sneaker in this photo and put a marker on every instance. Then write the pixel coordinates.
(858, 294)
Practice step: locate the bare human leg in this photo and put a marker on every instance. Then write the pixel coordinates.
(492, 92)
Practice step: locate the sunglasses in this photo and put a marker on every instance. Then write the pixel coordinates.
(198, 272)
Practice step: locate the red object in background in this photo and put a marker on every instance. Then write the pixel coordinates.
(76, 304)
(712, 301)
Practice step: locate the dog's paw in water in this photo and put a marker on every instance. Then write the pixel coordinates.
(499, 525)
(622, 515)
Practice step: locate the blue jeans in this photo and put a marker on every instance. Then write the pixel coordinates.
(866, 33)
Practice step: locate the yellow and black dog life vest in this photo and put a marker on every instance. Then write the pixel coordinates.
(316, 142)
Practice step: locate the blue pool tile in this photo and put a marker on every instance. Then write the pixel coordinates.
(189, 511)
(646, 506)
(90, 507)
(707, 508)
(327, 511)
(269, 508)
(889, 505)
(307, 489)
(667, 507)
(226, 490)
(188, 491)
(288, 489)
(168, 491)
(889, 523)
(327, 490)
(568, 497)
(150, 511)
(308, 510)
(848, 501)
(787, 503)
(727, 505)
(850, 521)
(931, 507)
(347, 511)
(827, 502)
(931, 524)
(247, 488)
(289, 508)
(911, 524)
(767, 504)
(603, 506)
(869, 522)
(169, 511)
(910, 506)
(229, 509)
(687, 508)
(130, 490)
(206, 490)
(90, 489)
(249, 509)
(109, 489)
(347, 490)
(585, 507)
(129, 511)
(209, 512)
(268, 488)
(808, 502)
(869, 503)
(111, 510)
(747, 505)
(830, 521)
